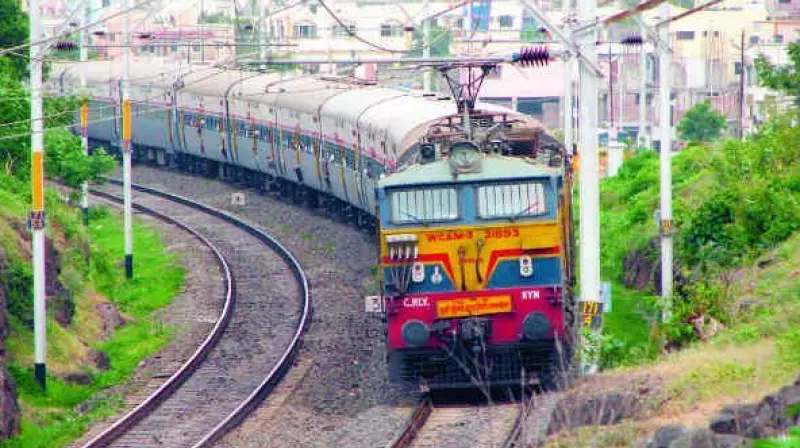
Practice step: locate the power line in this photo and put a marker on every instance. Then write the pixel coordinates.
(47, 40)
(354, 34)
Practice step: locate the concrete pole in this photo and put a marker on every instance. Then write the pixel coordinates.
(426, 53)
(37, 215)
(84, 55)
(262, 49)
(665, 63)
(566, 100)
(643, 139)
(589, 182)
(126, 141)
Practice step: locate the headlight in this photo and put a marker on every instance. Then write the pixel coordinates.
(415, 333)
(535, 326)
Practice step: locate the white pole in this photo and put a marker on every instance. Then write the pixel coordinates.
(84, 55)
(621, 88)
(643, 140)
(37, 215)
(126, 141)
(262, 50)
(589, 188)
(426, 53)
(665, 63)
(567, 107)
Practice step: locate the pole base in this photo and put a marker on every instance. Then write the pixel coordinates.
(40, 374)
(129, 266)
(85, 213)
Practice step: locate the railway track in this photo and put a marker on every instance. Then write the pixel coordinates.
(432, 425)
(254, 342)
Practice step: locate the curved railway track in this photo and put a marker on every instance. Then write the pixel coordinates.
(254, 342)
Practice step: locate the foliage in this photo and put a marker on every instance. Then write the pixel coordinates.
(17, 280)
(218, 17)
(701, 124)
(67, 160)
(440, 41)
(784, 78)
(13, 31)
(731, 203)
(51, 417)
(63, 155)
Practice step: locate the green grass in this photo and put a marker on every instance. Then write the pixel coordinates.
(50, 418)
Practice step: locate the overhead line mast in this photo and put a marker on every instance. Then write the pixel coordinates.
(84, 56)
(37, 215)
(126, 142)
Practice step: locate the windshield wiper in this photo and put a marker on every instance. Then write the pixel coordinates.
(525, 210)
(415, 218)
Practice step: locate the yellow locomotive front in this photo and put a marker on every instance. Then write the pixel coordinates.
(475, 277)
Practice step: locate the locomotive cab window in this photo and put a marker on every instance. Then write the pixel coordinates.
(424, 205)
(513, 200)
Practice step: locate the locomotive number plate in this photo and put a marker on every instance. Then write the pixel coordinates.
(473, 306)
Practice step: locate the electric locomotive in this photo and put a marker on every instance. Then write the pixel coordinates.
(476, 253)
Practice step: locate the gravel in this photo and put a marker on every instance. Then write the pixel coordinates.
(192, 314)
(338, 394)
(264, 319)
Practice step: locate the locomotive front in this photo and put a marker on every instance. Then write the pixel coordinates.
(473, 269)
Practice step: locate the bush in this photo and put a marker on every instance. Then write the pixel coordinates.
(18, 283)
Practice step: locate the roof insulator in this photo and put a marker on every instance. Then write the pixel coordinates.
(145, 35)
(99, 33)
(65, 45)
(532, 56)
(408, 28)
(633, 40)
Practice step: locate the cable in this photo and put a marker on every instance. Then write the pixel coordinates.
(355, 35)
(4, 51)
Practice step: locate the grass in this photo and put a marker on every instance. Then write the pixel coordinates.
(50, 418)
(756, 355)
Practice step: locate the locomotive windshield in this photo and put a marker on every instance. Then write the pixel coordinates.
(512, 200)
(424, 205)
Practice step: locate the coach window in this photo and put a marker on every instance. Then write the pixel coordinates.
(512, 200)
(424, 205)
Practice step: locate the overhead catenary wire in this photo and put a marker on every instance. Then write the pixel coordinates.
(355, 35)
(46, 40)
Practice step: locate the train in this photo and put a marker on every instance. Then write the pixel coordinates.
(470, 201)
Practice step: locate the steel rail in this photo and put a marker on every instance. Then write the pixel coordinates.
(269, 381)
(417, 420)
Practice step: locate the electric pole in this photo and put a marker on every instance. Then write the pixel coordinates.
(569, 75)
(84, 56)
(262, 50)
(741, 91)
(589, 182)
(37, 215)
(665, 66)
(643, 140)
(426, 52)
(126, 140)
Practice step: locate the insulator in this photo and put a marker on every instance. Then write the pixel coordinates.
(99, 33)
(633, 40)
(65, 46)
(532, 56)
(145, 35)
(408, 28)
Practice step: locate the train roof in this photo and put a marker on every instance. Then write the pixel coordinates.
(493, 167)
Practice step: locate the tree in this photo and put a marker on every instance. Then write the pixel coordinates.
(784, 78)
(14, 31)
(701, 124)
(441, 38)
